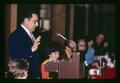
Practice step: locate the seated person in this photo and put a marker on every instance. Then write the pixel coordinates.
(98, 45)
(54, 55)
(90, 52)
(68, 50)
(90, 42)
(86, 56)
(17, 69)
(72, 45)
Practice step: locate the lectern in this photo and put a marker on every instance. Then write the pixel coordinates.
(67, 69)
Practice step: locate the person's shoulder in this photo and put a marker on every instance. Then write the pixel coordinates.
(15, 35)
(17, 31)
(45, 62)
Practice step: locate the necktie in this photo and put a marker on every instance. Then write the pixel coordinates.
(32, 37)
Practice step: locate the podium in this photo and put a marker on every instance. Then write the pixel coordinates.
(67, 69)
(52, 67)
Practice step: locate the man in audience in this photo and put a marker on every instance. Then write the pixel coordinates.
(68, 50)
(17, 69)
(86, 57)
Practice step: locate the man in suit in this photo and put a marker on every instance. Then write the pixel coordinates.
(22, 43)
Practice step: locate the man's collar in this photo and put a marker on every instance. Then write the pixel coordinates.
(28, 32)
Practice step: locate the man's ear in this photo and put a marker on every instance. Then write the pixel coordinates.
(26, 20)
(67, 48)
(49, 55)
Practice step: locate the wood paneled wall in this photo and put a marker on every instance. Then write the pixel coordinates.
(10, 24)
(58, 21)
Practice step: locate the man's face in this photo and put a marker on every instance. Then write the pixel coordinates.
(21, 74)
(90, 43)
(81, 46)
(100, 39)
(72, 44)
(32, 23)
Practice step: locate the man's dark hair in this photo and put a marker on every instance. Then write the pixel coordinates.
(27, 14)
(100, 33)
(23, 64)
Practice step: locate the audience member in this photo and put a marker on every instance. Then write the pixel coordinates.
(98, 45)
(17, 69)
(86, 56)
(54, 54)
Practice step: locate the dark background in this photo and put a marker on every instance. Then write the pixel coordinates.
(101, 18)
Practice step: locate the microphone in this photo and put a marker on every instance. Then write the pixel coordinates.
(68, 41)
(58, 34)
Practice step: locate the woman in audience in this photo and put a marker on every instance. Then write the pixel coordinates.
(98, 45)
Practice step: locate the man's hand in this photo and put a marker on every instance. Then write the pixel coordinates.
(36, 43)
(72, 44)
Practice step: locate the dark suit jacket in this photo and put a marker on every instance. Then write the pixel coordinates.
(20, 44)
(20, 47)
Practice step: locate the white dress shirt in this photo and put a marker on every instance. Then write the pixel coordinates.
(28, 32)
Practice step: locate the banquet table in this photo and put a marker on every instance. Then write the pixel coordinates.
(109, 73)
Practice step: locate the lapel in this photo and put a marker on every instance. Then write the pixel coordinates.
(25, 35)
